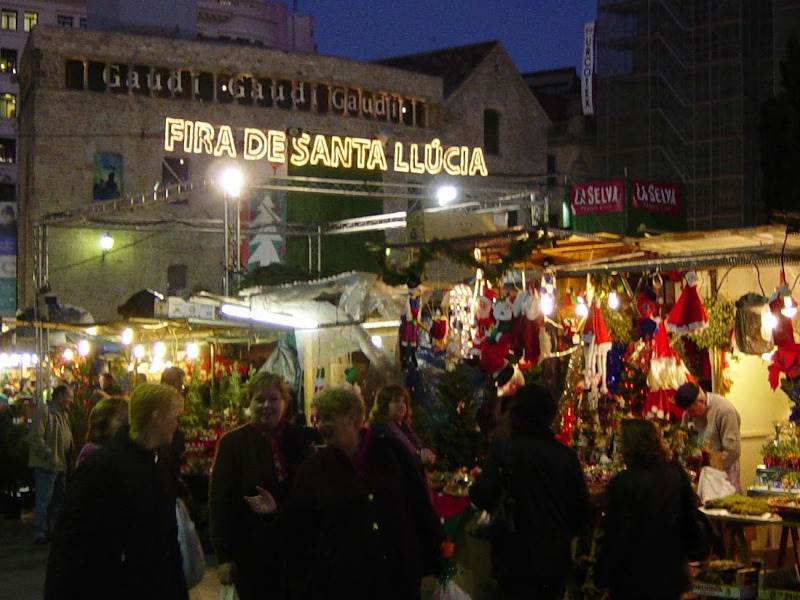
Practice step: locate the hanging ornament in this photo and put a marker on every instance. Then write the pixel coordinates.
(688, 314)
(597, 345)
(667, 374)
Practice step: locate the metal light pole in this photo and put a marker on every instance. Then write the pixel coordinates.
(230, 181)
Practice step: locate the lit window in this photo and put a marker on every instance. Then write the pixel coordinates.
(8, 19)
(8, 61)
(8, 150)
(8, 106)
(64, 21)
(29, 19)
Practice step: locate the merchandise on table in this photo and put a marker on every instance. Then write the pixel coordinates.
(736, 504)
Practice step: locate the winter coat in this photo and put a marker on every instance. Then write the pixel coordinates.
(50, 439)
(537, 484)
(117, 535)
(368, 535)
(650, 528)
(244, 460)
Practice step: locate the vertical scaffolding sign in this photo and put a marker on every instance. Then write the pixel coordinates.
(587, 69)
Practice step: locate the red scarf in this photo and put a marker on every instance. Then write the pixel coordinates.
(273, 439)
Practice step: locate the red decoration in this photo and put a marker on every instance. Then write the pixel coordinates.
(688, 314)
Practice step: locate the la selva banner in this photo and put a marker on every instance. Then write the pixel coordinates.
(652, 196)
(597, 197)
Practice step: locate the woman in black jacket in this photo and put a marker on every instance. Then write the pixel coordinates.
(265, 453)
(650, 526)
(535, 487)
(361, 521)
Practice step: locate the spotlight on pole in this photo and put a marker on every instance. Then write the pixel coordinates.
(230, 181)
(106, 242)
(446, 194)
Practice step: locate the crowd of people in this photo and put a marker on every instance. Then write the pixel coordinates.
(346, 507)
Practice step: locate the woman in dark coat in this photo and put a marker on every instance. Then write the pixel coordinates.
(650, 526)
(391, 416)
(265, 453)
(537, 485)
(361, 521)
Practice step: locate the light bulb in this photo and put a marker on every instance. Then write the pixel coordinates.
(547, 304)
(192, 351)
(106, 242)
(582, 310)
(613, 301)
(159, 349)
(127, 336)
(767, 356)
(377, 341)
(84, 347)
(789, 309)
(138, 352)
(68, 355)
(770, 321)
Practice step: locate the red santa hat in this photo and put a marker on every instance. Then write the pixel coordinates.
(688, 314)
(596, 326)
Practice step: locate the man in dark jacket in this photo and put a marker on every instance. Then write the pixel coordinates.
(265, 453)
(535, 488)
(117, 536)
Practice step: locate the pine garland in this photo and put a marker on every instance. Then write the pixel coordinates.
(436, 248)
(720, 313)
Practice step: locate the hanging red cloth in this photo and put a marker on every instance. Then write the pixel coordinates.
(688, 314)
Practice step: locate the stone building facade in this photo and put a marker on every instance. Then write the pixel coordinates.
(90, 128)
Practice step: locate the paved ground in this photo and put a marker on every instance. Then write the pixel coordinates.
(22, 565)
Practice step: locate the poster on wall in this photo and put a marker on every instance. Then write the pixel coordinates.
(587, 69)
(656, 197)
(597, 197)
(8, 258)
(107, 176)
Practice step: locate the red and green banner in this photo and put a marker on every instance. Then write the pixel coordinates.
(655, 197)
(597, 197)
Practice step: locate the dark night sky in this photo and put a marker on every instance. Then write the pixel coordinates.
(538, 34)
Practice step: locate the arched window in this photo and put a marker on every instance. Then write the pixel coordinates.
(491, 131)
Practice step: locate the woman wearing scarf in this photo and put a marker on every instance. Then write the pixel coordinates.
(264, 454)
(361, 521)
(391, 416)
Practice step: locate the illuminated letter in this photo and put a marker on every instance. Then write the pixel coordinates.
(188, 137)
(449, 167)
(434, 157)
(377, 159)
(477, 164)
(225, 142)
(319, 153)
(173, 132)
(300, 153)
(255, 144)
(413, 163)
(277, 146)
(400, 165)
(203, 138)
(361, 145)
(341, 152)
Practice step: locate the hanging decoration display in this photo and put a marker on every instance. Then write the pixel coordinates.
(717, 335)
(688, 314)
(667, 373)
(597, 344)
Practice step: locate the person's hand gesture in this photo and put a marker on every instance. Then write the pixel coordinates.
(263, 503)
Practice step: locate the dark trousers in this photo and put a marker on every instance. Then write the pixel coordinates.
(532, 588)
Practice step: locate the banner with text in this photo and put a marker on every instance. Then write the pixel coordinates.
(597, 197)
(652, 196)
(587, 69)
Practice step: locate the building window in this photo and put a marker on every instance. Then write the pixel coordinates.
(8, 106)
(64, 21)
(29, 19)
(74, 75)
(8, 19)
(83, 23)
(174, 170)
(491, 131)
(8, 192)
(8, 61)
(551, 169)
(8, 150)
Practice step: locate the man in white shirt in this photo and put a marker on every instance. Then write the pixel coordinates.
(718, 422)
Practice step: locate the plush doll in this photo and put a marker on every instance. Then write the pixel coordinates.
(667, 374)
(597, 344)
(409, 323)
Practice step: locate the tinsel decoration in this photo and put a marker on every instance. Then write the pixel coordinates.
(721, 313)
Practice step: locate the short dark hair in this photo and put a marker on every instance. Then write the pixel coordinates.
(534, 406)
(59, 391)
(173, 376)
(642, 444)
(686, 395)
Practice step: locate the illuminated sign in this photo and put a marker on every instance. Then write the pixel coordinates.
(246, 90)
(275, 146)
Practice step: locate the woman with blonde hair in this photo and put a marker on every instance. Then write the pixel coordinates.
(391, 415)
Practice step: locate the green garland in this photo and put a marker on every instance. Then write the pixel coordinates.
(619, 324)
(436, 248)
(720, 313)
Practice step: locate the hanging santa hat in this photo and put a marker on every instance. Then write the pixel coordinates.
(667, 374)
(688, 314)
(598, 344)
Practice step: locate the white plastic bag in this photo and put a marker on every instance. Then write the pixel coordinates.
(714, 484)
(228, 592)
(450, 591)
(194, 560)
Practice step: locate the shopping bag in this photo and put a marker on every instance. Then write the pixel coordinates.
(228, 592)
(194, 560)
(450, 591)
(714, 484)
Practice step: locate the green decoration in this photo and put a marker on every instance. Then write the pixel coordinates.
(619, 324)
(436, 248)
(717, 335)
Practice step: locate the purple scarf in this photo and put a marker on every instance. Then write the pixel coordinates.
(406, 436)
